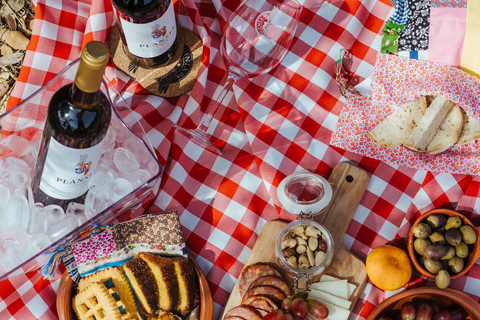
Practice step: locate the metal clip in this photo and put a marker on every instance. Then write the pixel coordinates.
(307, 282)
(303, 215)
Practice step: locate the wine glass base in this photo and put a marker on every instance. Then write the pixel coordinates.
(200, 138)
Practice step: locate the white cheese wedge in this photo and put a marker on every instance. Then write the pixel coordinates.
(337, 288)
(334, 312)
(327, 277)
(327, 297)
(351, 287)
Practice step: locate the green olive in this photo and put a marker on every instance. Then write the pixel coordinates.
(436, 221)
(453, 222)
(442, 279)
(437, 237)
(469, 235)
(450, 253)
(433, 266)
(422, 231)
(420, 245)
(456, 264)
(462, 250)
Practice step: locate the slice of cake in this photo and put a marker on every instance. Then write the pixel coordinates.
(143, 283)
(164, 271)
(187, 283)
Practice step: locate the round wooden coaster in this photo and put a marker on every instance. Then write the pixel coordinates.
(181, 78)
(138, 68)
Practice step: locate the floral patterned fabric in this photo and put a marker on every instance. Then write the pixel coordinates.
(158, 233)
(397, 80)
(414, 37)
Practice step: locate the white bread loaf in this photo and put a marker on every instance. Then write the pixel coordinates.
(448, 132)
(470, 130)
(423, 133)
(396, 128)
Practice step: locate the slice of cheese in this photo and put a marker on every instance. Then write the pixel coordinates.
(327, 297)
(327, 277)
(351, 287)
(334, 313)
(337, 288)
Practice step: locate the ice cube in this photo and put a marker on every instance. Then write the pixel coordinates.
(36, 243)
(16, 213)
(94, 205)
(38, 219)
(124, 160)
(106, 160)
(138, 148)
(99, 183)
(54, 213)
(4, 197)
(11, 253)
(17, 180)
(76, 210)
(62, 228)
(13, 164)
(139, 177)
(119, 188)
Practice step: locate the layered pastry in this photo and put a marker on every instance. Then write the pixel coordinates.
(186, 283)
(143, 283)
(164, 271)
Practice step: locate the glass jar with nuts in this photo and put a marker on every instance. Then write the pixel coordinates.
(304, 248)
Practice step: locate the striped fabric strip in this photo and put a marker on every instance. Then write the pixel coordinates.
(471, 46)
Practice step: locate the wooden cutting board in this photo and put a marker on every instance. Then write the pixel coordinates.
(349, 184)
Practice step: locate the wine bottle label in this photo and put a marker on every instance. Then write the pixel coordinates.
(149, 40)
(67, 170)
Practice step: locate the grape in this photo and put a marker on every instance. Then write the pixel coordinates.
(384, 317)
(287, 305)
(443, 315)
(408, 311)
(287, 316)
(274, 315)
(458, 314)
(424, 311)
(299, 308)
(317, 309)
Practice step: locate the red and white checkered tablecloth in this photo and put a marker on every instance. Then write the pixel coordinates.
(273, 125)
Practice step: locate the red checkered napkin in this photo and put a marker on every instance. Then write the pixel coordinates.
(397, 80)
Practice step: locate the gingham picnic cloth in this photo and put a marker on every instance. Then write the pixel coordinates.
(272, 126)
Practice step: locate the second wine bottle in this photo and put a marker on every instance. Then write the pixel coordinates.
(77, 121)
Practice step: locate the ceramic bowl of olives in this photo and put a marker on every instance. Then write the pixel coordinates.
(442, 245)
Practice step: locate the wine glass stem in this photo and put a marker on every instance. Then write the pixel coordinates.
(207, 117)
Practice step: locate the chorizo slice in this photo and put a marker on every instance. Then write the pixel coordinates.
(273, 293)
(261, 302)
(254, 271)
(272, 281)
(245, 312)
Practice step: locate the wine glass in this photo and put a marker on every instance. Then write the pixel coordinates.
(256, 38)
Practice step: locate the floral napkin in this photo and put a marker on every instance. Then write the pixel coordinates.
(397, 80)
(157, 233)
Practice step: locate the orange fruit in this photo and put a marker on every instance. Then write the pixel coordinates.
(388, 267)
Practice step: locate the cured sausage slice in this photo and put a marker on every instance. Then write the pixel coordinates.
(253, 272)
(272, 281)
(273, 293)
(245, 312)
(261, 302)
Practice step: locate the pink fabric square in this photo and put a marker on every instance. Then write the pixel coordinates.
(447, 33)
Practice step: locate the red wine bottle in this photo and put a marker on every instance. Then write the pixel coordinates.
(148, 29)
(78, 117)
